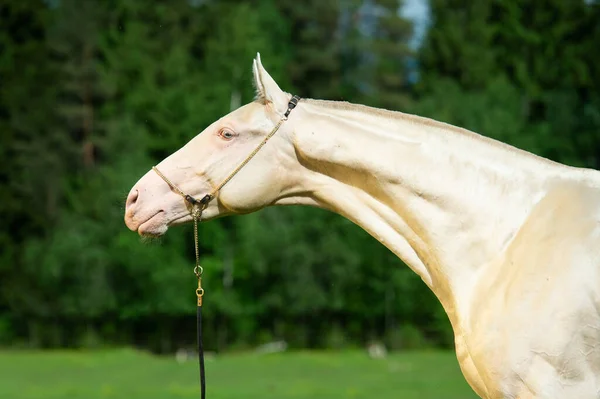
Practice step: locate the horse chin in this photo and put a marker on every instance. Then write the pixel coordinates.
(156, 226)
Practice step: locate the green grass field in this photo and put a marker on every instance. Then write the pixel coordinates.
(128, 374)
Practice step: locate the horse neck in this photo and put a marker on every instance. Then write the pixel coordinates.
(444, 200)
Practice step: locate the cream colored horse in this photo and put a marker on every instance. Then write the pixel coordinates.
(509, 242)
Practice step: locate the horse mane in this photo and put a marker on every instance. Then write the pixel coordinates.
(423, 121)
(347, 106)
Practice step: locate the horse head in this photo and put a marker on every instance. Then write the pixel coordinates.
(202, 164)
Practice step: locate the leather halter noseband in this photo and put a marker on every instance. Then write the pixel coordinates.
(198, 206)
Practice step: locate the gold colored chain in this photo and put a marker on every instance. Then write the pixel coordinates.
(196, 214)
(173, 186)
(198, 270)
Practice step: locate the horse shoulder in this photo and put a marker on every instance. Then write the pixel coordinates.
(535, 323)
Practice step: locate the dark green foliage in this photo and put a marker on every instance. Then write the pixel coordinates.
(534, 60)
(93, 93)
(33, 151)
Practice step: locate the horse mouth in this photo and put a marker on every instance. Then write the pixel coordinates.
(155, 226)
(158, 224)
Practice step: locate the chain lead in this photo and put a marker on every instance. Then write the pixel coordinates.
(198, 270)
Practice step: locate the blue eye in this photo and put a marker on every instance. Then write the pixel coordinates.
(226, 134)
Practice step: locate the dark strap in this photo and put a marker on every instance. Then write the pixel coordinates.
(200, 352)
(291, 105)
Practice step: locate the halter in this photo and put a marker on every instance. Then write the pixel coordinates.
(198, 206)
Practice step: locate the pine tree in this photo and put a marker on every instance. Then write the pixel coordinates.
(460, 44)
(32, 149)
(544, 49)
(384, 53)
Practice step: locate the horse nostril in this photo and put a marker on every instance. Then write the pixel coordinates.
(132, 198)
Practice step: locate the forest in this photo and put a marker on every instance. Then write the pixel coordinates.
(95, 92)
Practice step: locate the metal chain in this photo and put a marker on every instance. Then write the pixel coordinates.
(173, 186)
(196, 214)
(198, 270)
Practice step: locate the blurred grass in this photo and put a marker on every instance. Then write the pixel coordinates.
(129, 374)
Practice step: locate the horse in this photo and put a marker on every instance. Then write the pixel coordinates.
(508, 241)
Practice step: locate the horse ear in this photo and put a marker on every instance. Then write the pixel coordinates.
(267, 90)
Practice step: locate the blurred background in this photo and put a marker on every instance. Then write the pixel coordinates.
(93, 93)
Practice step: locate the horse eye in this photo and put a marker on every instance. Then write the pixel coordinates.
(226, 134)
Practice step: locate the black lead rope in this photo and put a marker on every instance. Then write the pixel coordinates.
(197, 207)
(200, 351)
